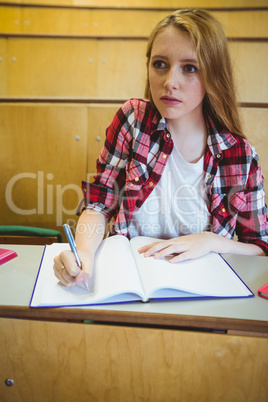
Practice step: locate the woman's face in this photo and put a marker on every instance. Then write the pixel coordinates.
(174, 76)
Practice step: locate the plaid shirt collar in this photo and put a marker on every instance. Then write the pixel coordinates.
(218, 142)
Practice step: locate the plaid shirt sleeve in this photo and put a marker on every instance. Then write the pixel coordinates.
(104, 193)
(252, 224)
(236, 196)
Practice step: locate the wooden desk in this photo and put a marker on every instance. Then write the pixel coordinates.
(208, 350)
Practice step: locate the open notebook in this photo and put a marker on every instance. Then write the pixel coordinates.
(121, 274)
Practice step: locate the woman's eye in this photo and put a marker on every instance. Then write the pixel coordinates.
(159, 64)
(189, 68)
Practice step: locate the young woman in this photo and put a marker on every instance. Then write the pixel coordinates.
(176, 165)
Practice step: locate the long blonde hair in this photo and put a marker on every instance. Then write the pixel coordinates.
(214, 61)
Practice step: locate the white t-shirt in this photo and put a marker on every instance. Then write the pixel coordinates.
(177, 206)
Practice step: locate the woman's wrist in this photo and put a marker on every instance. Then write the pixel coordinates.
(223, 245)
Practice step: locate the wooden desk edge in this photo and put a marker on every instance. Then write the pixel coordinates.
(135, 318)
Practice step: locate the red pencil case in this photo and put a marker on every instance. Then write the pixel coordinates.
(263, 291)
(6, 255)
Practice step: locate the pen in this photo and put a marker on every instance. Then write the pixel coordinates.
(72, 244)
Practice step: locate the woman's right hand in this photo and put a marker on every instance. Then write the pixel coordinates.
(88, 236)
(68, 272)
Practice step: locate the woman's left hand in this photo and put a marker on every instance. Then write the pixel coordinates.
(185, 247)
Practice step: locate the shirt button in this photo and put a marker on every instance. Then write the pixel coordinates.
(223, 210)
(164, 156)
(218, 156)
(151, 184)
(136, 179)
(168, 135)
(208, 176)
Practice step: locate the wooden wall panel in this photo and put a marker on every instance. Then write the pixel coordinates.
(43, 161)
(165, 3)
(121, 69)
(59, 21)
(256, 129)
(244, 24)
(117, 22)
(89, 22)
(250, 61)
(44, 67)
(3, 67)
(10, 19)
(110, 68)
(99, 118)
(75, 68)
(51, 361)
(124, 23)
(144, 3)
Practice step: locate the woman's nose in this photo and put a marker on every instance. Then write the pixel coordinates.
(172, 79)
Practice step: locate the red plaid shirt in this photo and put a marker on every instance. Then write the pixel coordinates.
(136, 150)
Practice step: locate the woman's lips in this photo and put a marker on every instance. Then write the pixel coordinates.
(170, 100)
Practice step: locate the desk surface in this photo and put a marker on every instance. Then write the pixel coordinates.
(17, 279)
